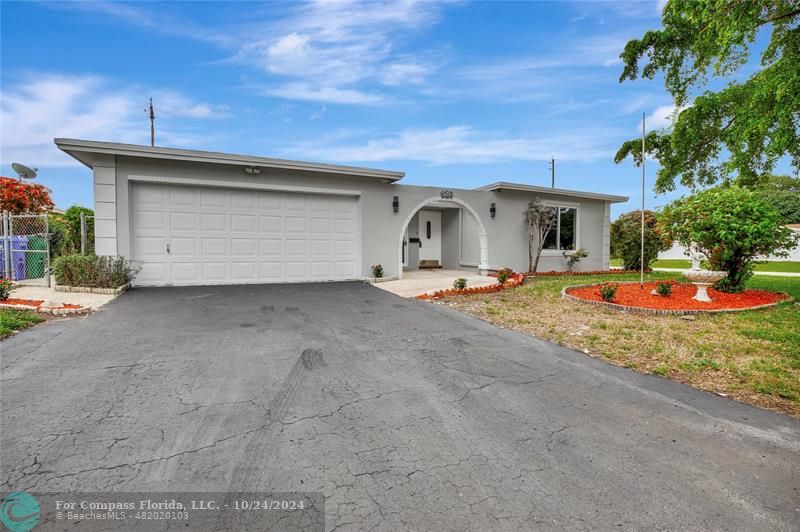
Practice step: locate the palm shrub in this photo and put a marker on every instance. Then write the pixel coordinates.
(731, 226)
(92, 271)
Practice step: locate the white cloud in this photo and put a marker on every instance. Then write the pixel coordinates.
(461, 144)
(47, 106)
(325, 48)
(661, 118)
(325, 94)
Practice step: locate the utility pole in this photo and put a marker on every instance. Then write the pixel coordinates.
(152, 123)
(552, 172)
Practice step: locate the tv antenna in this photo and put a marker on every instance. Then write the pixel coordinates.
(152, 122)
(24, 172)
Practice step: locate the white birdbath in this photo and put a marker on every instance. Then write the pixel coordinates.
(702, 279)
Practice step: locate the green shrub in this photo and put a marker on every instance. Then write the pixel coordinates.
(6, 286)
(664, 289)
(59, 236)
(72, 219)
(503, 275)
(92, 271)
(731, 226)
(626, 239)
(460, 283)
(608, 291)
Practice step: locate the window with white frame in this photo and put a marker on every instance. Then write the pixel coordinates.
(564, 234)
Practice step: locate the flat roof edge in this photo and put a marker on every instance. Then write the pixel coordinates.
(520, 187)
(135, 150)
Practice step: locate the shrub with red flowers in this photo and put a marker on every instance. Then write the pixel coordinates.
(19, 197)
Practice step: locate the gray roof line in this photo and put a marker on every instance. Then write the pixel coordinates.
(504, 185)
(136, 150)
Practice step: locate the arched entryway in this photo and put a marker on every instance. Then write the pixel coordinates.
(483, 266)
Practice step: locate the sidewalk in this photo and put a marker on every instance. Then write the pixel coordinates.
(94, 301)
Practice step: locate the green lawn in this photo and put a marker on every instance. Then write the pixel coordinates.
(751, 356)
(778, 266)
(16, 320)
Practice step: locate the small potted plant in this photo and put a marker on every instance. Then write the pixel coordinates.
(377, 271)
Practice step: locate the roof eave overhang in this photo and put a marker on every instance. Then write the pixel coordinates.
(81, 150)
(500, 186)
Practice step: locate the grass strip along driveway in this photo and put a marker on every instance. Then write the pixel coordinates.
(751, 356)
(16, 320)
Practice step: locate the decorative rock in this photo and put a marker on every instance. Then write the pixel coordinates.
(51, 303)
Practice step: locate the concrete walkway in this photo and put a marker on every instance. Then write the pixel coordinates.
(416, 282)
(771, 274)
(94, 301)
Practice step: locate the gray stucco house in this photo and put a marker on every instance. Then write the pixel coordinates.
(196, 217)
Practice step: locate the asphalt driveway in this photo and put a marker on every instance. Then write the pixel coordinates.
(406, 415)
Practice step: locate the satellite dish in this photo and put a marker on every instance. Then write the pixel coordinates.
(24, 172)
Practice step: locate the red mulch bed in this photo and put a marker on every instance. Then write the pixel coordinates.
(32, 302)
(632, 295)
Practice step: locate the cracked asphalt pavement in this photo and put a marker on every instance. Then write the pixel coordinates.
(404, 414)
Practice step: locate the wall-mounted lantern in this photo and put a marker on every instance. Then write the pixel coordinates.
(492, 210)
(396, 204)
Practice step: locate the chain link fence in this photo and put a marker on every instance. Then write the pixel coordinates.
(25, 248)
(87, 234)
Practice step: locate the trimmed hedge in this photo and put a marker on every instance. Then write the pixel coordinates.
(92, 271)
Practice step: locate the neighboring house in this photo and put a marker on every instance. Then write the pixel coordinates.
(679, 252)
(195, 217)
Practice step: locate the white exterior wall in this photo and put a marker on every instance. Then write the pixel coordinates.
(105, 205)
(381, 228)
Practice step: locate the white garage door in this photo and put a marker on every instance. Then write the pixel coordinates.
(192, 235)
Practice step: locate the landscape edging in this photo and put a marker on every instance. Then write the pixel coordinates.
(92, 290)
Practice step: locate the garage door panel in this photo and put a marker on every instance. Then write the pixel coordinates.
(271, 271)
(244, 223)
(215, 272)
(271, 246)
(182, 197)
(183, 221)
(296, 224)
(218, 236)
(244, 271)
(242, 200)
(183, 247)
(212, 197)
(296, 247)
(212, 247)
(214, 222)
(152, 272)
(147, 246)
(271, 224)
(244, 247)
(296, 270)
(185, 272)
(149, 220)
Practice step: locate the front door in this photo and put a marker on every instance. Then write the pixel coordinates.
(430, 236)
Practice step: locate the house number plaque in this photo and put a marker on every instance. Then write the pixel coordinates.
(447, 194)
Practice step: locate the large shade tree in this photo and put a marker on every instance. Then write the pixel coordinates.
(749, 121)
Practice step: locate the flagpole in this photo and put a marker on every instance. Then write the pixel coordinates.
(641, 257)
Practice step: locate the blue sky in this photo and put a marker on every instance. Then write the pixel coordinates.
(455, 94)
